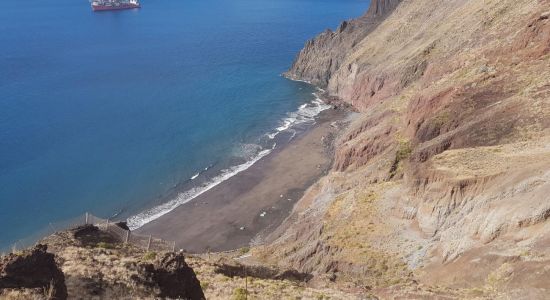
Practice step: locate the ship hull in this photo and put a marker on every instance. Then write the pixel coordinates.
(117, 7)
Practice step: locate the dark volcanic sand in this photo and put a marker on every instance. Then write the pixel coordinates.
(213, 220)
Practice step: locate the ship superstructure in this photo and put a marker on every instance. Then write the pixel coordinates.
(100, 5)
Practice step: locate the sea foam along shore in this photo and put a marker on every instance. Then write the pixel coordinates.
(147, 216)
(305, 113)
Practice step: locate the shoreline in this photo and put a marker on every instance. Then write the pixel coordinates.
(281, 138)
(296, 122)
(255, 201)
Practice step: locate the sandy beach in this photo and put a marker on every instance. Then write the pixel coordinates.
(255, 201)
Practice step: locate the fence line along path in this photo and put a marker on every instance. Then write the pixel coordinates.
(146, 242)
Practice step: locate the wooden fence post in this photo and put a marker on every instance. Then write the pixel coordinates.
(86, 218)
(173, 246)
(149, 243)
(127, 237)
(245, 284)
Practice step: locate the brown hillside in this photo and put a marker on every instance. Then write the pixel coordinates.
(440, 186)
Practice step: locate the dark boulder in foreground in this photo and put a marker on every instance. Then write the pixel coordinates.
(33, 269)
(171, 277)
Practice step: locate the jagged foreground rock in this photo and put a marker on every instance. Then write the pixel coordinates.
(35, 271)
(441, 185)
(88, 263)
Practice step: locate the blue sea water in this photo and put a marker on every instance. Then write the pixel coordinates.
(108, 112)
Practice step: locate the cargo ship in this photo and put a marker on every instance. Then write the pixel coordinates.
(102, 5)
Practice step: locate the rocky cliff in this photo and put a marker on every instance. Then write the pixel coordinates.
(446, 170)
(323, 55)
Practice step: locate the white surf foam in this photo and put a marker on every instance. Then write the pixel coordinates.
(305, 113)
(154, 213)
(247, 151)
(200, 172)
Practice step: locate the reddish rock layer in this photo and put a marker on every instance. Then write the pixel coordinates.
(449, 156)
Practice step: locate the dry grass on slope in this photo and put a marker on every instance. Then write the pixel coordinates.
(112, 270)
(493, 160)
(216, 285)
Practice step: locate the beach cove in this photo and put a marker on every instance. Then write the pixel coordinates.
(249, 205)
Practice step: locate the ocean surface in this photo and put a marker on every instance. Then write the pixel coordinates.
(128, 114)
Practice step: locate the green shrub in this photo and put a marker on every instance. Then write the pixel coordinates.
(239, 294)
(244, 250)
(105, 245)
(150, 256)
(403, 151)
(441, 119)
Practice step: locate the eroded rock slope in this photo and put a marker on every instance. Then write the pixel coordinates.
(443, 179)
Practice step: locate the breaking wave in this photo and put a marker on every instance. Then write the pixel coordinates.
(200, 172)
(305, 113)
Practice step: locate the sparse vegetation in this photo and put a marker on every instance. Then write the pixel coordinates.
(525, 253)
(441, 119)
(220, 286)
(404, 150)
(239, 294)
(476, 292)
(105, 245)
(244, 250)
(149, 256)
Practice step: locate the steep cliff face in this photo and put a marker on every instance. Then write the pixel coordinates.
(323, 55)
(446, 168)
